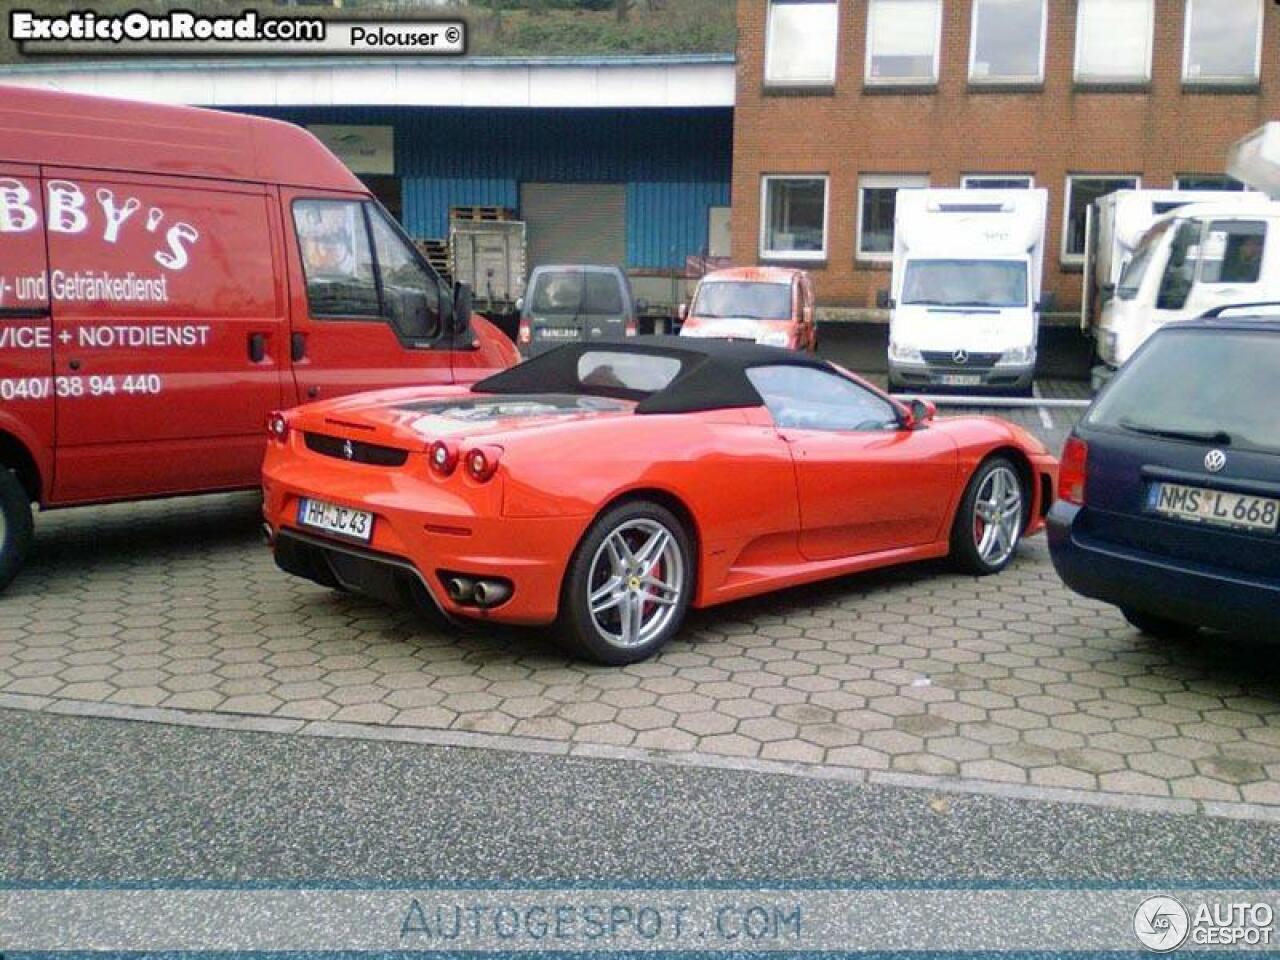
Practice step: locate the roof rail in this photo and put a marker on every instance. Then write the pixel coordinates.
(1219, 311)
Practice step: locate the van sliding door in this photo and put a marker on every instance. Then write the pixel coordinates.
(168, 330)
(26, 355)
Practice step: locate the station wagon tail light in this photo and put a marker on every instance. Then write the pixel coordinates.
(525, 336)
(278, 426)
(1072, 470)
(482, 462)
(630, 329)
(444, 457)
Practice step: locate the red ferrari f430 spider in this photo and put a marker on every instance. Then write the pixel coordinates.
(607, 487)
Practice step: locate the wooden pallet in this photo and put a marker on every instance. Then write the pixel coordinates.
(436, 253)
(481, 213)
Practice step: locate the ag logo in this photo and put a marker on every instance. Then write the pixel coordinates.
(1214, 461)
(1161, 924)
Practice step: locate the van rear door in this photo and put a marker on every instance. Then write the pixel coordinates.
(367, 311)
(168, 333)
(26, 356)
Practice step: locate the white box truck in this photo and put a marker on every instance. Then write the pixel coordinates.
(1199, 257)
(965, 293)
(1117, 222)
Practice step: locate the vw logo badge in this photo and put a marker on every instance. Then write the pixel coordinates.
(960, 357)
(348, 450)
(1214, 461)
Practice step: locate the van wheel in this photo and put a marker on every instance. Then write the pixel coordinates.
(15, 526)
(1162, 628)
(990, 520)
(628, 585)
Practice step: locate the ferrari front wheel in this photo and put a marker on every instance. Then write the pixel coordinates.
(628, 585)
(990, 520)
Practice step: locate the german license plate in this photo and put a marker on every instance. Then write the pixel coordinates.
(332, 518)
(559, 333)
(1219, 507)
(960, 379)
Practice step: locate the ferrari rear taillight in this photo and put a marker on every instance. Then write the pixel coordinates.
(1072, 471)
(278, 426)
(525, 335)
(482, 462)
(444, 457)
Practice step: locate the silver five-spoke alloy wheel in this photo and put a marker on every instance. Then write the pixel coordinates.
(997, 516)
(637, 578)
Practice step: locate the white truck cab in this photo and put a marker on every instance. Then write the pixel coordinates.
(1118, 222)
(1192, 260)
(1200, 256)
(965, 294)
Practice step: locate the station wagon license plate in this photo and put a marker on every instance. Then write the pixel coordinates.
(960, 379)
(332, 518)
(1218, 507)
(559, 333)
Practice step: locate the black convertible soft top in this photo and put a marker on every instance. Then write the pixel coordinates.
(712, 374)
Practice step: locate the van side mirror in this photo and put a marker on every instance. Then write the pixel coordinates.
(884, 301)
(1047, 303)
(519, 304)
(462, 300)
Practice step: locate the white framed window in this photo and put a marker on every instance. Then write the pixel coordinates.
(1081, 191)
(1206, 181)
(1006, 42)
(903, 39)
(800, 43)
(1223, 42)
(1113, 41)
(997, 181)
(877, 206)
(793, 216)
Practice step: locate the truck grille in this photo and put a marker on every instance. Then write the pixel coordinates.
(356, 451)
(979, 361)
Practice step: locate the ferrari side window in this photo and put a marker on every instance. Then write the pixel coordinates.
(804, 398)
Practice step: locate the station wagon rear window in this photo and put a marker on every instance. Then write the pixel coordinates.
(1197, 384)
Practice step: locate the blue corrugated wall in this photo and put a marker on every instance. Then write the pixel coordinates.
(675, 164)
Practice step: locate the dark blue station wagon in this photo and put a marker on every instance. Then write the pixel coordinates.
(1169, 492)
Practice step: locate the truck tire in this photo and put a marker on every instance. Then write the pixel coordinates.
(15, 526)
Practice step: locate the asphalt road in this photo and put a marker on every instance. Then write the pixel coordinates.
(111, 801)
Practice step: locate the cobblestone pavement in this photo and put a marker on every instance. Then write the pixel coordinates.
(1009, 679)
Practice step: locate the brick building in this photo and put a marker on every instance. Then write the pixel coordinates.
(840, 102)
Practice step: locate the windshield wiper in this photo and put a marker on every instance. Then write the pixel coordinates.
(1171, 433)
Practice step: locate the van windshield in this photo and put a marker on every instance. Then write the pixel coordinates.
(757, 301)
(1136, 268)
(574, 292)
(965, 283)
(1211, 384)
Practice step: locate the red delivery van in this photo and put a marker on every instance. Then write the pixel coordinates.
(169, 276)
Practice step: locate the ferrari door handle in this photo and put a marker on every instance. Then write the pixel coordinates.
(257, 347)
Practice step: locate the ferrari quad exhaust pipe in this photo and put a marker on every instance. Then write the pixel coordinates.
(490, 593)
(461, 589)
